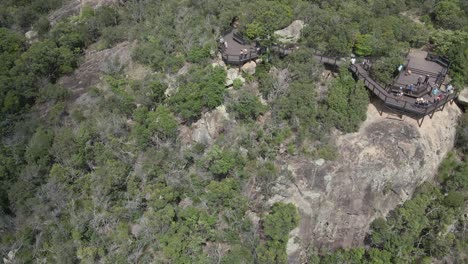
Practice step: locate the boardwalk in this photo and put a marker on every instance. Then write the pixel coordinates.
(403, 103)
(418, 62)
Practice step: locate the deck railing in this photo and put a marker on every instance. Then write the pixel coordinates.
(399, 103)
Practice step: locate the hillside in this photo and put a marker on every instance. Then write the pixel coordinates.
(128, 135)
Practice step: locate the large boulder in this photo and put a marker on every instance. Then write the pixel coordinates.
(463, 97)
(218, 62)
(249, 67)
(377, 168)
(291, 33)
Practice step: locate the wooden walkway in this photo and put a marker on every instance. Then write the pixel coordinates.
(405, 104)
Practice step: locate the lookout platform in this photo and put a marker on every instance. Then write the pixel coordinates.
(236, 50)
(421, 100)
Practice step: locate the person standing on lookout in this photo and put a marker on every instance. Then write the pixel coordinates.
(426, 80)
(419, 80)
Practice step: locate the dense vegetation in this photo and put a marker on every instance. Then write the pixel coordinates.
(113, 181)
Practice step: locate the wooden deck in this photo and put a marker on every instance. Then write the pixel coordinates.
(231, 51)
(420, 63)
(404, 103)
(421, 67)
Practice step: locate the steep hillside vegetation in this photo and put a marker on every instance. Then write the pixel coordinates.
(122, 143)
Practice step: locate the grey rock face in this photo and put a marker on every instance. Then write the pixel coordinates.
(208, 127)
(378, 168)
(463, 97)
(291, 33)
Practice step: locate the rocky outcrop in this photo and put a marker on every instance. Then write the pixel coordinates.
(233, 74)
(218, 62)
(96, 64)
(291, 33)
(74, 7)
(31, 36)
(207, 129)
(463, 97)
(378, 168)
(249, 67)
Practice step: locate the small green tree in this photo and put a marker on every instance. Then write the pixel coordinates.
(363, 45)
(220, 162)
(247, 106)
(347, 103)
(448, 14)
(277, 225)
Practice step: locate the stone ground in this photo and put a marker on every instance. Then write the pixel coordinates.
(378, 168)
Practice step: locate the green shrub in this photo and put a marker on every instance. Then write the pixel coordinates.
(347, 103)
(247, 106)
(454, 199)
(363, 45)
(198, 54)
(220, 162)
(204, 90)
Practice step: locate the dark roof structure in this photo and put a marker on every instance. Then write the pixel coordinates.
(236, 50)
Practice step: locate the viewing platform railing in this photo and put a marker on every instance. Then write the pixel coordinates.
(404, 104)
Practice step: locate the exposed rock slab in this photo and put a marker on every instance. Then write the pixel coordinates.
(97, 63)
(378, 168)
(207, 129)
(291, 33)
(463, 97)
(232, 75)
(74, 7)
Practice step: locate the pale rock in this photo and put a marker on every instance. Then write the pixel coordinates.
(262, 100)
(243, 151)
(136, 229)
(31, 34)
(254, 218)
(293, 246)
(319, 162)
(291, 33)
(207, 129)
(96, 64)
(338, 200)
(233, 74)
(219, 62)
(463, 97)
(186, 202)
(249, 67)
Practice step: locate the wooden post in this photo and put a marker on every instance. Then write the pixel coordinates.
(446, 100)
(420, 124)
(435, 108)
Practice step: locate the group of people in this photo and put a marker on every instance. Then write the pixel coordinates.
(420, 80)
(223, 42)
(243, 53)
(421, 101)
